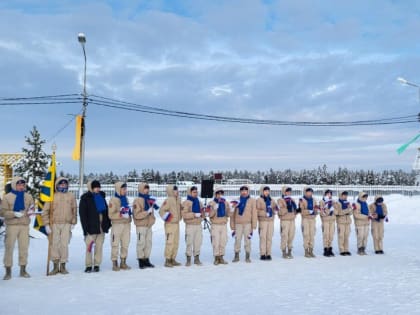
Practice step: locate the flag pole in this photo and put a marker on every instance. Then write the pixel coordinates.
(51, 216)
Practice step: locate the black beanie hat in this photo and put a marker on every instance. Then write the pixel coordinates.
(95, 183)
(63, 181)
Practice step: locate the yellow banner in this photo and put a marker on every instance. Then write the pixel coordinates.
(77, 145)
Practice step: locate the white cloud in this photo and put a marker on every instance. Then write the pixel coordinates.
(328, 89)
(221, 90)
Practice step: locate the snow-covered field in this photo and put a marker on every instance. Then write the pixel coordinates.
(373, 284)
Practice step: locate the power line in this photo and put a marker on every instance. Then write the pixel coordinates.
(111, 103)
(39, 103)
(60, 130)
(130, 106)
(37, 97)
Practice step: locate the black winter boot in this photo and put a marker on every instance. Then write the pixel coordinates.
(88, 269)
(148, 264)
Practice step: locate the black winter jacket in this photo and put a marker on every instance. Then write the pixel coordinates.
(89, 217)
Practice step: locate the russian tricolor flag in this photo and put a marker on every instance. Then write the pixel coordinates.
(167, 217)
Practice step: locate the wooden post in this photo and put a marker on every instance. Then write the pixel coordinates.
(50, 235)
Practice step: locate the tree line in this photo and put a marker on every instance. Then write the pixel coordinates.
(316, 176)
(34, 164)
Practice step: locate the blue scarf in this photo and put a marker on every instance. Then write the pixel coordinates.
(123, 199)
(62, 189)
(268, 208)
(99, 202)
(364, 207)
(195, 204)
(344, 204)
(310, 202)
(242, 204)
(221, 209)
(146, 198)
(379, 212)
(328, 205)
(291, 205)
(19, 201)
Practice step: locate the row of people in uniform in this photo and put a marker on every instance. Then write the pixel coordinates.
(245, 215)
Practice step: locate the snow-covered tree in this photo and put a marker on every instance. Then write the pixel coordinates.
(34, 164)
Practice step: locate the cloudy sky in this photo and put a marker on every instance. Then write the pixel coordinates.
(289, 60)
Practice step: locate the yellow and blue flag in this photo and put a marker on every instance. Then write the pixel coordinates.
(46, 194)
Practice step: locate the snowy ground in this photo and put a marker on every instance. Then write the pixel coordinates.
(373, 284)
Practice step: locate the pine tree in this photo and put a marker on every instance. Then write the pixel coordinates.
(34, 165)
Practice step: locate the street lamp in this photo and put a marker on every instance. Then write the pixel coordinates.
(416, 165)
(82, 40)
(406, 82)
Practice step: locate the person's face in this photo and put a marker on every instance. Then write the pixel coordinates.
(219, 195)
(96, 189)
(194, 193)
(146, 190)
(364, 197)
(266, 193)
(244, 193)
(329, 195)
(63, 185)
(21, 187)
(288, 193)
(123, 191)
(308, 194)
(344, 197)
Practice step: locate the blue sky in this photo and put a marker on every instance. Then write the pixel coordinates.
(289, 60)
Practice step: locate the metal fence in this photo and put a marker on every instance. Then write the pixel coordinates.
(232, 191)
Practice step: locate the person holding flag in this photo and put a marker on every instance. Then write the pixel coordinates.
(93, 212)
(287, 214)
(309, 210)
(379, 213)
(170, 212)
(243, 222)
(219, 215)
(193, 214)
(266, 208)
(59, 217)
(328, 222)
(16, 208)
(144, 218)
(120, 215)
(361, 222)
